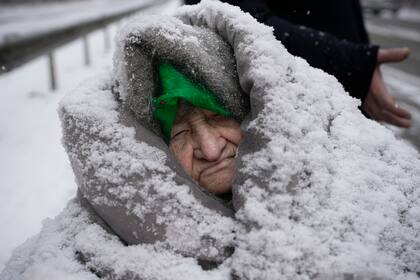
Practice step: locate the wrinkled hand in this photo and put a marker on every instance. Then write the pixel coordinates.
(379, 104)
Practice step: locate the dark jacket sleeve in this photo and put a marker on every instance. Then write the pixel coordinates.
(352, 64)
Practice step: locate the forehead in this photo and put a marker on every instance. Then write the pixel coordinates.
(186, 111)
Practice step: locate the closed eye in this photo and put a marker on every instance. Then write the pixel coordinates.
(178, 133)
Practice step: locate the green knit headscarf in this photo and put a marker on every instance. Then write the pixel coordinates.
(174, 86)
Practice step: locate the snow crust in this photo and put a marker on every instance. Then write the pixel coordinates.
(329, 191)
(322, 192)
(51, 254)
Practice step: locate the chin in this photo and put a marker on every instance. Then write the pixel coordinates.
(218, 183)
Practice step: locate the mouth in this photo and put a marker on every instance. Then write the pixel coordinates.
(217, 166)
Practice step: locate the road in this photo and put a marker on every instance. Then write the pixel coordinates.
(403, 79)
(27, 20)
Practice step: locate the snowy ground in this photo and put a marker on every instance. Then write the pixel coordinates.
(36, 179)
(36, 176)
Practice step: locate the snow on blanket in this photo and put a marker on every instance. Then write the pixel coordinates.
(322, 191)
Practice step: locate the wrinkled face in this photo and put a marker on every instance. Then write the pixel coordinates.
(205, 144)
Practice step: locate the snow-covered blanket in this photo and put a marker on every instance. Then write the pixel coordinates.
(322, 192)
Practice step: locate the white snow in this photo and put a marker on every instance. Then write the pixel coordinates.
(121, 163)
(327, 192)
(73, 231)
(36, 179)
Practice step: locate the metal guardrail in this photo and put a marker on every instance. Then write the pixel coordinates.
(17, 53)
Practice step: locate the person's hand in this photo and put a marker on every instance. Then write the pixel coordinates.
(379, 104)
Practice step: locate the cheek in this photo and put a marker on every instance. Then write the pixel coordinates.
(229, 129)
(184, 154)
(233, 134)
(237, 135)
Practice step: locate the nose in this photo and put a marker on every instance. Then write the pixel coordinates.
(209, 143)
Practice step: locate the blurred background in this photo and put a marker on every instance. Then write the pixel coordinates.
(48, 47)
(396, 23)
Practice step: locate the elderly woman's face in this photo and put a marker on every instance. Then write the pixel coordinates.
(205, 144)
